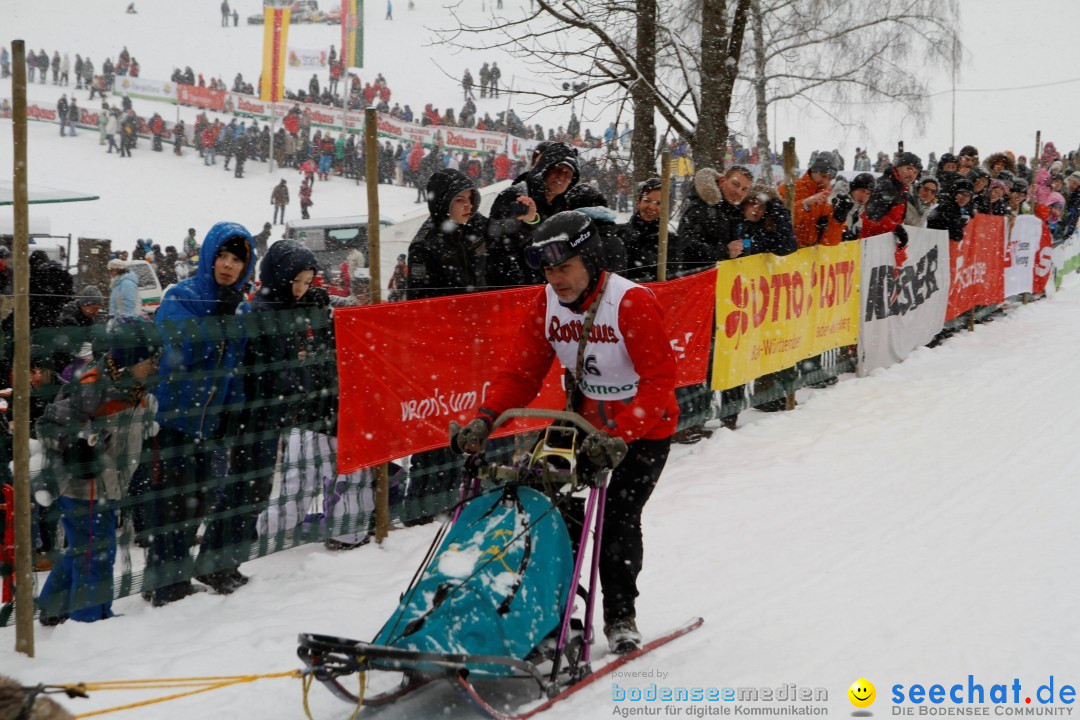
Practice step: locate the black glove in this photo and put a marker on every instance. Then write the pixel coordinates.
(822, 224)
(901, 236)
(81, 459)
(470, 438)
(229, 298)
(842, 205)
(603, 450)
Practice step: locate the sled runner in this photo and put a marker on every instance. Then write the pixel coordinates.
(496, 594)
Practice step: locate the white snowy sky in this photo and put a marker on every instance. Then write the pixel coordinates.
(1008, 44)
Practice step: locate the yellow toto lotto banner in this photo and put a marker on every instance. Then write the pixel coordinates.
(773, 311)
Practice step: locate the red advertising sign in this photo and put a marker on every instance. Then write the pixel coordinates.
(406, 370)
(201, 97)
(977, 270)
(1044, 261)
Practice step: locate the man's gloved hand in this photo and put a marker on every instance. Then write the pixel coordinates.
(901, 236)
(841, 207)
(603, 450)
(229, 298)
(469, 439)
(822, 224)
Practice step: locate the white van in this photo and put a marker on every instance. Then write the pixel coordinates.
(150, 291)
(332, 238)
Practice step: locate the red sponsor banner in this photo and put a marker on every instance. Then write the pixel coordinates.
(202, 97)
(406, 370)
(1044, 261)
(977, 266)
(37, 112)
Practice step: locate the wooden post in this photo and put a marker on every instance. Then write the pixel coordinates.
(665, 208)
(371, 142)
(24, 578)
(1035, 168)
(789, 174)
(270, 160)
(789, 200)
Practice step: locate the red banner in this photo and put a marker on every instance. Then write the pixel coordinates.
(977, 275)
(405, 370)
(1044, 261)
(202, 97)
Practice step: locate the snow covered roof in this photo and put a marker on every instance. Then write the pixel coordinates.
(40, 195)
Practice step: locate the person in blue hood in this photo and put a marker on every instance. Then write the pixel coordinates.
(197, 395)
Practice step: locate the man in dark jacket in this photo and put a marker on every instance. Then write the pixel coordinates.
(79, 313)
(447, 255)
(262, 241)
(167, 267)
(51, 287)
(535, 195)
(953, 210)
(445, 258)
(707, 233)
(709, 215)
(888, 202)
(1072, 207)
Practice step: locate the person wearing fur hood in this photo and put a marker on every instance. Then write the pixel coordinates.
(709, 217)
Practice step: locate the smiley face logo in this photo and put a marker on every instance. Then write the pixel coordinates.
(862, 693)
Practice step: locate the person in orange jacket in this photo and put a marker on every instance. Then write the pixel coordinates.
(816, 220)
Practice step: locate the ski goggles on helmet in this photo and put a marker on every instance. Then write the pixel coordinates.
(555, 251)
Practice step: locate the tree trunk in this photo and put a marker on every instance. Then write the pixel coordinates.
(643, 141)
(720, 51)
(764, 155)
(711, 130)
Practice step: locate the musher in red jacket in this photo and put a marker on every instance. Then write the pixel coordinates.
(626, 389)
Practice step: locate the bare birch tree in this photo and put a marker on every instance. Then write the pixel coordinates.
(688, 78)
(819, 51)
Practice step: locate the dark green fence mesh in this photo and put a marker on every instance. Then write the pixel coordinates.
(240, 459)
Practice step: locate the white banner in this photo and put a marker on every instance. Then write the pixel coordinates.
(145, 87)
(903, 310)
(303, 59)
(1066, 260)
(1021, 246)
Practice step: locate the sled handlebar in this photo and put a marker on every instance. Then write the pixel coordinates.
(561, 415)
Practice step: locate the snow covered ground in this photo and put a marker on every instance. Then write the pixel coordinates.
(916, 526)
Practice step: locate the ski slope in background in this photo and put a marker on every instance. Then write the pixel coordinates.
(168, 197)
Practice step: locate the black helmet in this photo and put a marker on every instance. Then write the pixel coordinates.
(561, 237)
(1019, 185)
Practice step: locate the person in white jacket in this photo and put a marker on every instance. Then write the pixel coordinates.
(110, 132)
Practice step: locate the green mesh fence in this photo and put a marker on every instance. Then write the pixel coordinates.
(243, 462)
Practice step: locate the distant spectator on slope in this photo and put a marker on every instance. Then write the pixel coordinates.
(279, 198)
